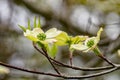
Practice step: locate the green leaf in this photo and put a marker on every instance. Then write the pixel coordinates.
(35, 22)
(39, 24)
(29, 25)
(52, 50)
(22, 27)
(80, 47)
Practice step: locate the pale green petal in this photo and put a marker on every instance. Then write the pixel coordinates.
(88, 49)
(50, 40)
(32, 35)
(80, 47)
(51, 33)
(37, 31)
(62, 39)
(78, 39)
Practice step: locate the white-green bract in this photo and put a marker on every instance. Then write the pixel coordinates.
(49, 35)
(89, 43)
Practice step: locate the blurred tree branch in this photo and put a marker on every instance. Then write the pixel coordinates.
(49, 15)
(113, 68)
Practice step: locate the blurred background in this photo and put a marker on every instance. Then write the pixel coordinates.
(77, 17)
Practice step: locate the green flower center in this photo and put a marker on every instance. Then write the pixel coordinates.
(90, 43)
(41, 36)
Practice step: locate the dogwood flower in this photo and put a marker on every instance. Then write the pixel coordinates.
(89, 43)
(37, 34)
(43, 39)
(32, 34)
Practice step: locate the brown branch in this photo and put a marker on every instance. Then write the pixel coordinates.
(114, 68)
(81, 68)
(26, 70)
(105, 59)
(51, 61)
(46, 55)
(71, 57)
(93, 75)
(73, 67)
(62, 76)
(50, 15)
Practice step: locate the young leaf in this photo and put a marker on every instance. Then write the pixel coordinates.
(52, 50)
(29, 25)
(39, 24)
(35, 22)
(22, 27)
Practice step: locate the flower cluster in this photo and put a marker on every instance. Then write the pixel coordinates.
(54, 37)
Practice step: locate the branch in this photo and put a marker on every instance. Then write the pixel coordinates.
(51, 15)
(93, 75)
(62, 76)
(73, 67)
(51, 62)
(114, 68)
(105, 59)
(45, 54)
(26, 70)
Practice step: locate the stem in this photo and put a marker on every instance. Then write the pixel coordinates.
(51, 62)
(108, 61)
(70, 55)
(98, 53)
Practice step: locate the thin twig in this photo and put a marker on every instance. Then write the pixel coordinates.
(71, 57)
(46, 55)
(116, 67)
(30, 71)
(62, 76)
(51, 62)
(108, 61)
(92, 75)
(81, 68)
(74, 67)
